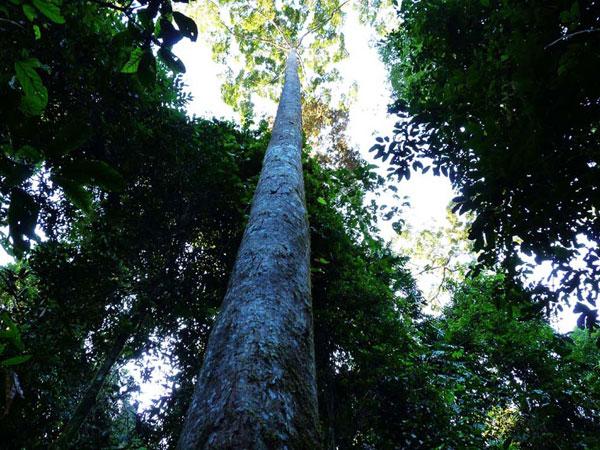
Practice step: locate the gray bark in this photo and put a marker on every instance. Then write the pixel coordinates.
(257, 385)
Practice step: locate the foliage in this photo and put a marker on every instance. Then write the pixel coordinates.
(184, 226)
(178, 214)
(49, 140)
(253, 41)
(517, 382)
(41, 137)
(483, 375)
(325, 128)
(501, 97)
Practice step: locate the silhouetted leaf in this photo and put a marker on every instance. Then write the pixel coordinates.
(187, 26)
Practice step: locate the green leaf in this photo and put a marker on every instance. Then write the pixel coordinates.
(70, 136)
(35, 99)
(15, 360)
(22, 218)
(131, 66)
(565, 17)
(147, 68)
(9, 330)
(186, 25)
(122, 43)
(37, 32)
(50, 9)
(94, 173)
(171, 61)
(321, 200)
(146, 17)
(27, 154)
(485, 3)
(29, 12)
(323, 261)
(76, 194)
(575, 11)
(168, 33)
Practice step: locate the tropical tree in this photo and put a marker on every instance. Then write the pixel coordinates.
(257, 386)
(45, 140)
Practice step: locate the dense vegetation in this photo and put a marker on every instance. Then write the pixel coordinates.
(501, 97)
(139, 212)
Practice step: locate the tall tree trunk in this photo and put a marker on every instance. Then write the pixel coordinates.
(90, 396)
(257, 385)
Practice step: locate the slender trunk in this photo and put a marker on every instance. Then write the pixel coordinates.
(88, 401)
(257, 385)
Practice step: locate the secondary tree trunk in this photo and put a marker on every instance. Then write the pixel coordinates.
(257, 385)
(88, 401)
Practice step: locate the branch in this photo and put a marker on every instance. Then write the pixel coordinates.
(322, 24)
(128, 12)
(277, 28)
(241, 36)
(12, 22)
(569, 36)
(439, 288)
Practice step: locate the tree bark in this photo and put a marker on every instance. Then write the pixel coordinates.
(257, 385)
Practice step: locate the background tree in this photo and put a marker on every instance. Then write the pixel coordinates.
(139, 243)
(44, 141)
(34, 140)
(528, 386)
(501, 97)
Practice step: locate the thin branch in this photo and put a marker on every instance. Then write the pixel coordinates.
(322, 24)
(12, 22)
(569, 36)
(303, 69)
(277, 28)
(434, 297)
(431, 269)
